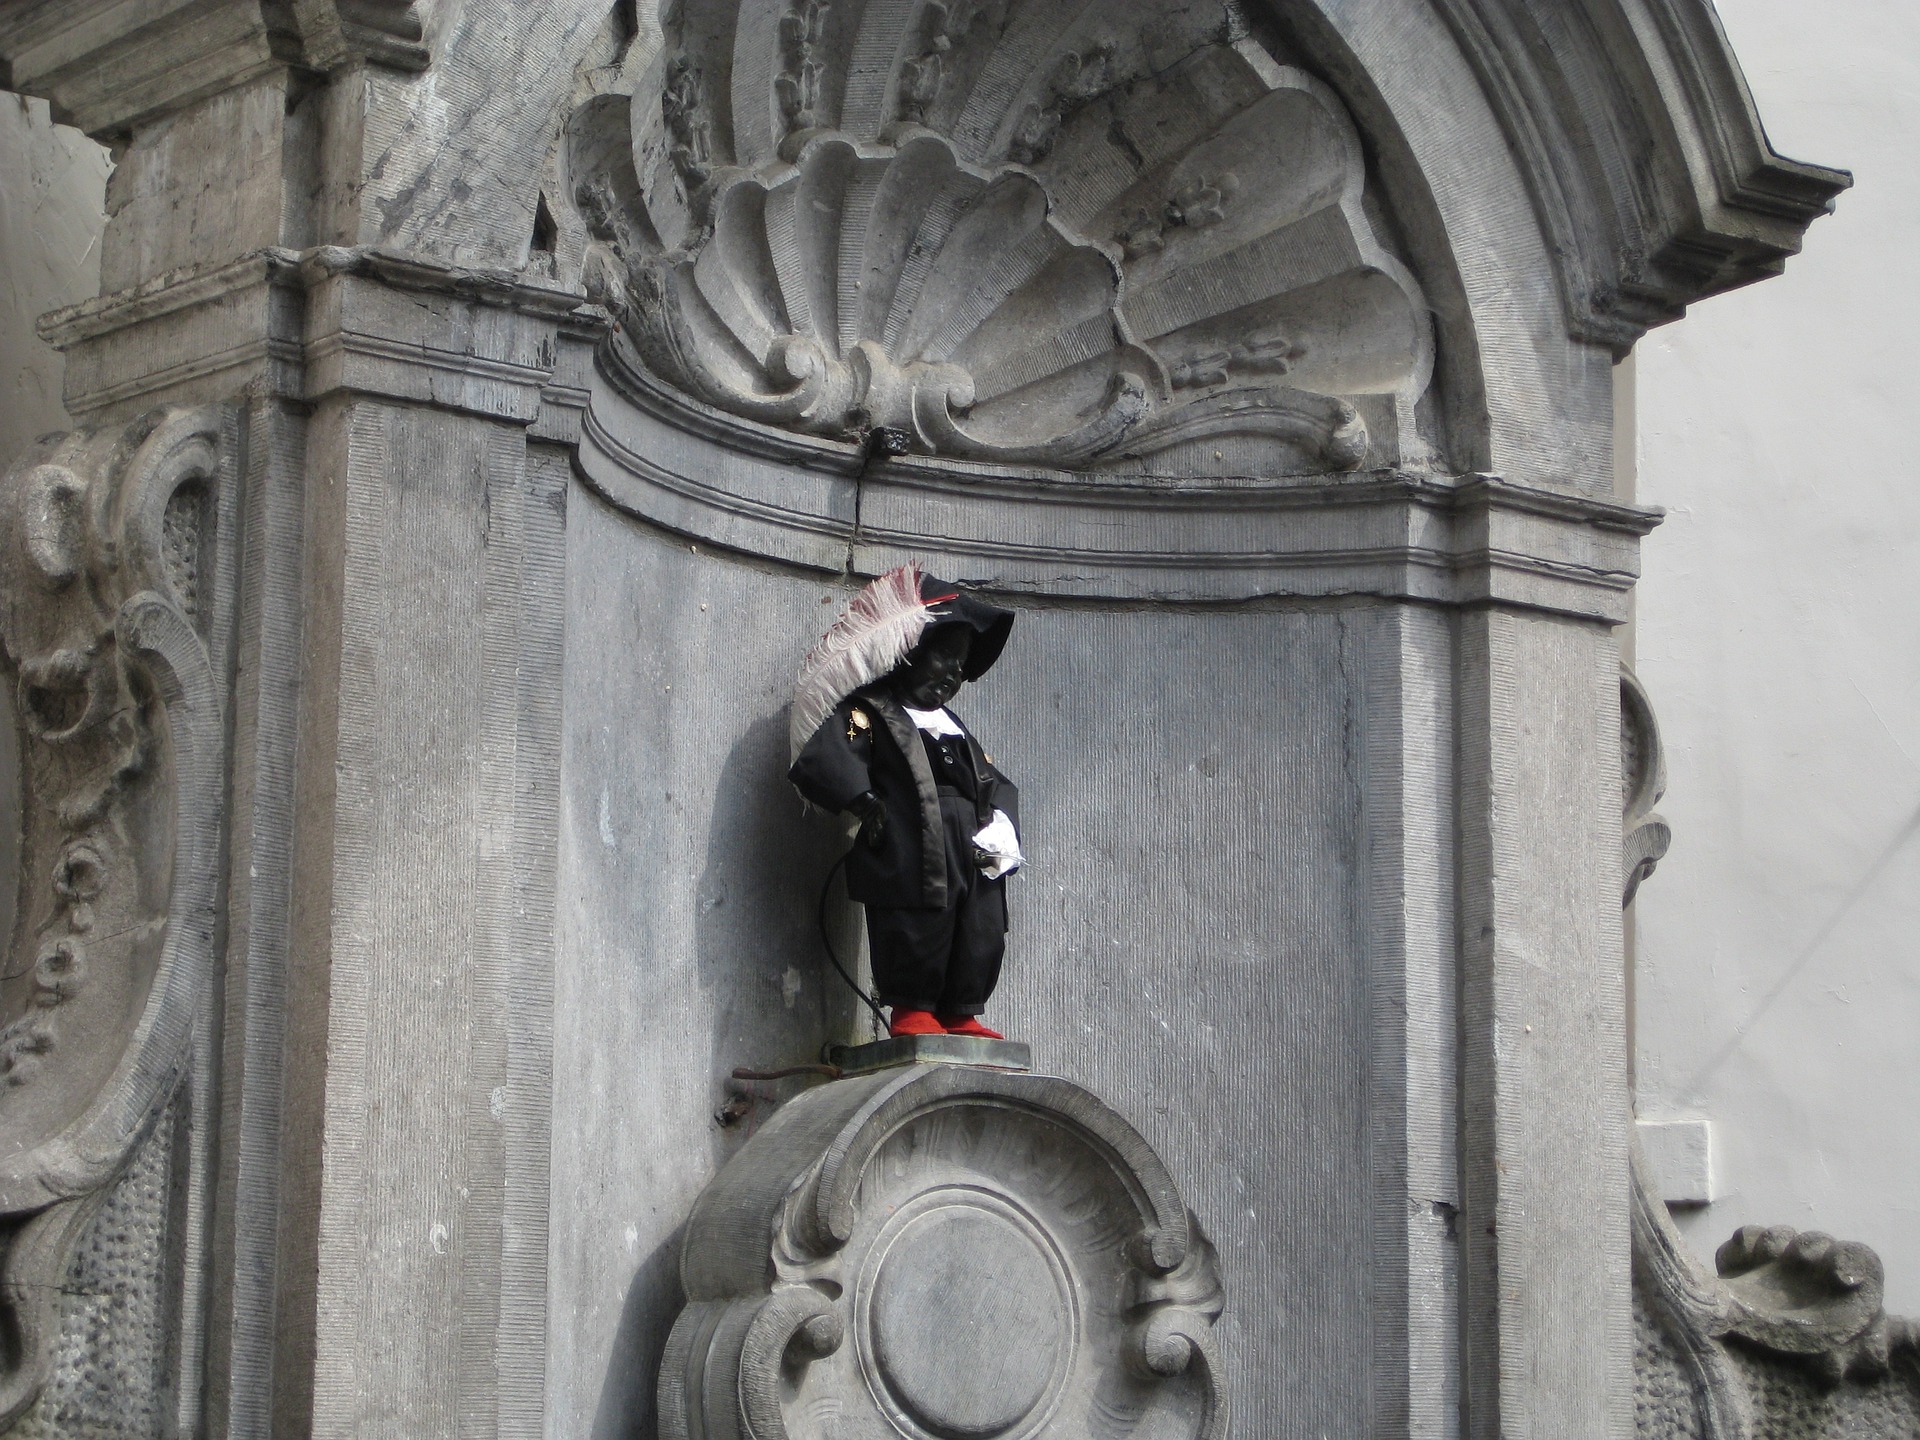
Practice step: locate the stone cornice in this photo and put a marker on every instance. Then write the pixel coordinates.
(107, 67)
(1643, 152)
(187, 288)
(307, 323)
(423, 275)
(807, 502)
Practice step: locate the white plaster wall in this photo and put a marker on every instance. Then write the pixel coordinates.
(52, 209)
(1778, 969)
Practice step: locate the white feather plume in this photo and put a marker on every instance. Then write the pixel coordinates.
(872, 636)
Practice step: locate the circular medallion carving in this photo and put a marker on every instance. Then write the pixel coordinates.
(969, 1326)
(953, 1254)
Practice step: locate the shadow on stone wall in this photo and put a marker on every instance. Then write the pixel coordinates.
(770, 999)
(756, 924)
(756, 944)
(626, 1408)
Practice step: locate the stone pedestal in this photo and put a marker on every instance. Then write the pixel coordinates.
(930, 1050)
(474, 437)
(945, 1251)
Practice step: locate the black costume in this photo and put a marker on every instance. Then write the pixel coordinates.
(936, 925)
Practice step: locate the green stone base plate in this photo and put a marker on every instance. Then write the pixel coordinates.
(930, 1050)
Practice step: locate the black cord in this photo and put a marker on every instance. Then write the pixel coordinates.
(879, 443)
(826, 939)
(876, 444)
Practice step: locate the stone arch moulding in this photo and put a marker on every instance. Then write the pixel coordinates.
(1184, 302)
(112, 544)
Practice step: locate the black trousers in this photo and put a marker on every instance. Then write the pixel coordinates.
(945, 960)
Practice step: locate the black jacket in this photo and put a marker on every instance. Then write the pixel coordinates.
(870, 743)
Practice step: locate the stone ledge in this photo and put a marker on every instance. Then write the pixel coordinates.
(905, 1050)
(108, 68)
(309, 323)
(809, 502)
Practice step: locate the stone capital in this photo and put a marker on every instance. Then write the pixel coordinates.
(307, 324)
(107, 69)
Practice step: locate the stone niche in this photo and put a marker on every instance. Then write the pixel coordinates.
(1195, 940)
(1182, 364)
(402, 651)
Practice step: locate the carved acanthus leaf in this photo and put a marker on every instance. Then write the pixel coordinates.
(106, 539)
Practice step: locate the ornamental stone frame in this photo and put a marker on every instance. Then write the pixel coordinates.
(481, 403)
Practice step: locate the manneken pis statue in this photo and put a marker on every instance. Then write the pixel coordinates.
(872, 737)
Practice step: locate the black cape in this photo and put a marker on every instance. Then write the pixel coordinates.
(870, 743)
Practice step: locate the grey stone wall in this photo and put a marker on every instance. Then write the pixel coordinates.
(1239, 892)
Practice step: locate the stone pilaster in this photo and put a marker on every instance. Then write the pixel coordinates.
(297, 233)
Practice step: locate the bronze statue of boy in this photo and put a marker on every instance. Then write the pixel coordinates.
(872, 738)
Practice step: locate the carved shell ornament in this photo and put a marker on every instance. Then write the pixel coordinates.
(1014, 230)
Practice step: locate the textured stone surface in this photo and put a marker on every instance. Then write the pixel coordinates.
(236, 173)
(1663, 1402)
(1788, 1342)
(984, 1356)
(50, 221)
(113, 1372)
(1539, 731)
(446, 666)
(107, 999)
(1793, 1403)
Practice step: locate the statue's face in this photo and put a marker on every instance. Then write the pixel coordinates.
(931, 676)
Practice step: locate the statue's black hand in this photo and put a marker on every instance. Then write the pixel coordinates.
(873, 819)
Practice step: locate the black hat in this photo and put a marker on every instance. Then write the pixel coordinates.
(988, 624)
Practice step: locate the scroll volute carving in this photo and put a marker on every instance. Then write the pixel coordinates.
(1781, 1296)
(1643, 780)
(105, 555)
(399, 33)
(945, 1252)
(1103, 236)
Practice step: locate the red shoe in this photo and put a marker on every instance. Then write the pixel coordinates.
(914, 1022)
(970, 1025)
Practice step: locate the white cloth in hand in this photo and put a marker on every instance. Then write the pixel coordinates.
(998, 847)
